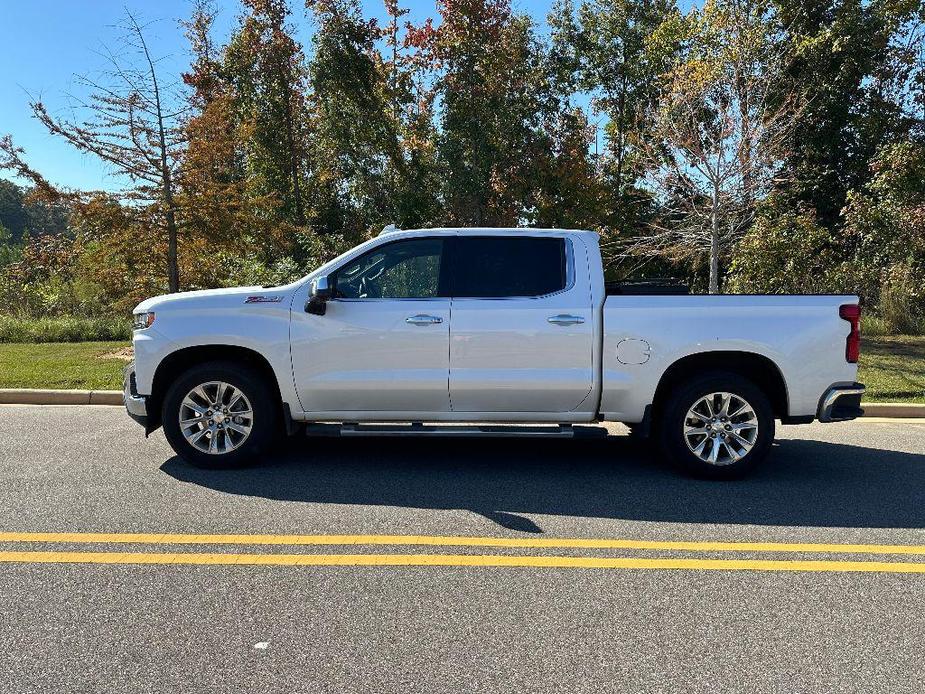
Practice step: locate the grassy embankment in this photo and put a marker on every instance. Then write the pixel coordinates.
(77, 365)
(892, 367)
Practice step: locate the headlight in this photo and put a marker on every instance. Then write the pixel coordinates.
(140, 321)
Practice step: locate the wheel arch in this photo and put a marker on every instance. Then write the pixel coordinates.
(757, 368)
(184, 359)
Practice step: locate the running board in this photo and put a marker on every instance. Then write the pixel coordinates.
(563, 431)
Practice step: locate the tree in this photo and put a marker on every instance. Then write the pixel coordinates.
(785, 254)
(213, 186)
(716, 137)
(355, 148)
(610, 53)
(843, 56)
(885, 235)
(265, 65)
(567, 191)
(13, 217)
(131, 122)
(490, 77)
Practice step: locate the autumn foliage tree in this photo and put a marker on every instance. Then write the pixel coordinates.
(266, 68)
(131, 121)
(487, 83)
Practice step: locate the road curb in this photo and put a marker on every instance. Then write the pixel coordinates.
(893, 409)
(37, 396)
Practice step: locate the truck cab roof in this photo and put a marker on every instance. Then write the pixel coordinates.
(483, 231)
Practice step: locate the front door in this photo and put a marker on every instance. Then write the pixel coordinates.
(521, 338)
(383, 344)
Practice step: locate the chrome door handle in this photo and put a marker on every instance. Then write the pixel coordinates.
(423, 319)
(565, 319)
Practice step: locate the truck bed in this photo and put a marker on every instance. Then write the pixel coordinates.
(643, 335)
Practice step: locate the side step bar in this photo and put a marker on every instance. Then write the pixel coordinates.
(562, 431)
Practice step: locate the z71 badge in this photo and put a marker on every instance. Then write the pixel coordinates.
(263, 299)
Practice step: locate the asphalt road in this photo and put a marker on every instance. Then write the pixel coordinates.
(369, 624)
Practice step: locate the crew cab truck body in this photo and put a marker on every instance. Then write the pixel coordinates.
(488, 326)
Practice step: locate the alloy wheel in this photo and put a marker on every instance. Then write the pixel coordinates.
(216, 417)
(721, 428)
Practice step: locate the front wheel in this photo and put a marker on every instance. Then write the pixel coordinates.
(219, 415)
(719, 425)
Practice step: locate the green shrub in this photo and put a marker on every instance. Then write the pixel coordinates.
(900, 304)
(786, 254)
(66, 329)
(875, 325)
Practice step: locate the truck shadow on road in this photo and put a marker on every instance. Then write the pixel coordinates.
(805, 483)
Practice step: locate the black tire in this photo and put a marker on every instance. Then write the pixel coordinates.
(733, 459)
(263, 423)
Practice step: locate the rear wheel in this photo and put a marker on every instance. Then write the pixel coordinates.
(219, 415)
(719, 425)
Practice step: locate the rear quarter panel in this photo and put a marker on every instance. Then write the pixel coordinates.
(803, 335)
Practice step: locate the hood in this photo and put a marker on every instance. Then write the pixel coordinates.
(212, 298)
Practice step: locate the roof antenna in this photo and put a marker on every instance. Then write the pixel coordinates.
(389, 229)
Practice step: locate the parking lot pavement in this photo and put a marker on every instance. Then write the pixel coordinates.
(381, 565)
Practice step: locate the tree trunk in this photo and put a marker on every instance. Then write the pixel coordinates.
(293, 158)
(173, 269)
(170, 211)
(170, 206)
(618, 178)
(714, 245)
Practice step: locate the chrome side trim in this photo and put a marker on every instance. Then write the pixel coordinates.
(830, 400)
(420, 429)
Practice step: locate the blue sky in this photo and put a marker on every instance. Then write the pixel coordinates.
(47, 42)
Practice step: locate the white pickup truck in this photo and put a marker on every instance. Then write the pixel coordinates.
(491, 327)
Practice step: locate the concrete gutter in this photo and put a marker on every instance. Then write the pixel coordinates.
(31, 396)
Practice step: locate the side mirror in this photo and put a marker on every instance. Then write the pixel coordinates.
(317, 303)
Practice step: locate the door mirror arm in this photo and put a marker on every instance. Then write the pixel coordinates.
(320, 292)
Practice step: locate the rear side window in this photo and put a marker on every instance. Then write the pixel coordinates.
(498, 266)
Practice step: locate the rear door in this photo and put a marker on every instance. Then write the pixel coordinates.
(522, 326)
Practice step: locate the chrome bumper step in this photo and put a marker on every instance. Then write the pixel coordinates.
(841, 403)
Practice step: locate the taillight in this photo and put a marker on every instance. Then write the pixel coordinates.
(852, 314)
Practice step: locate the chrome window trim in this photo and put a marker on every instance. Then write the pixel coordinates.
(397, 298)
(570, 274)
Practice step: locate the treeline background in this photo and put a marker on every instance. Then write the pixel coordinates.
(740, 146)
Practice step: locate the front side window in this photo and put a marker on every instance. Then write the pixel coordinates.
(499, 267)
(401, 270)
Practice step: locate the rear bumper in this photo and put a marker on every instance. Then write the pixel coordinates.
(841, 403)
(135, 405)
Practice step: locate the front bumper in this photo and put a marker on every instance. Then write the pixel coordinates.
(136, 405)
(841, 403)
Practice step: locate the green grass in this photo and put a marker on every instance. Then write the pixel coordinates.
(893, 368)
(68, 365)
(64, 329)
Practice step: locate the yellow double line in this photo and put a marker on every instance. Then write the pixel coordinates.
(459, 560)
